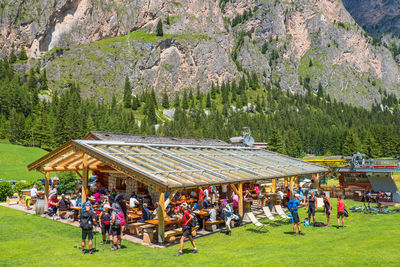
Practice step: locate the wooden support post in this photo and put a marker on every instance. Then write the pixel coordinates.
(240, 191)
(296, 181)
(46, 187)
(286, 182)
(170, 197)
(273, 185)
(85, 178)
(161, 215)
(291, 186)
(316, 181)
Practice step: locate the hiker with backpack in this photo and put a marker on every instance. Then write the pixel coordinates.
(340, 211)
(312, 206)
(117, 222)
(189, 221)
(87, 220)
(228, 216)
(293, 206)
(105, 223)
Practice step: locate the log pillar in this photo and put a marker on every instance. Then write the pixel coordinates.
(316, 181)
(240, 191)
(161, 216)
(273, 185)
(291, 186)
(46, 187)
(85, 178)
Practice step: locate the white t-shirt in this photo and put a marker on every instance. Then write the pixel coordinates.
(280, 195)
(132, 202)
(34, 192)
(206, 193)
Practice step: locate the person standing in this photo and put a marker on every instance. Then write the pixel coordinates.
(293, 206)
(133, 202)
(312, 206)
(87, 220)
(117, 221)
(187, 229)
(328, 208)
(33, 195)
(201, 196)
(224, 190)
(340, 211)
(105, 223)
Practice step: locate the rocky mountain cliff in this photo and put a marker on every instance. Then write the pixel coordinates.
(376, 16)
(293, 44)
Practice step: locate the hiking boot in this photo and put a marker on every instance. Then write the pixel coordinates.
(104, 242)
(229, 233)
(327, 225)
(295, 234)
(91, 251)
(179, 254)
(195, 251)
(83, 252)
(114, 248)
(343, 226)
(118, 246)
(301, 233)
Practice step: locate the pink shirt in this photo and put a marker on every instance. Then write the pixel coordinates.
(97, 196)
(235, 201)
(340, 206)
(257, 189)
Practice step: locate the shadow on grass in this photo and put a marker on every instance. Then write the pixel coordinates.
(256, 231)
(288, 233)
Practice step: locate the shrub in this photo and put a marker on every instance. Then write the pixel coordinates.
(5, 190)
(67, 182)
(18, 187)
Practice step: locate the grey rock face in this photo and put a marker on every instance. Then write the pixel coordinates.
(99, 43)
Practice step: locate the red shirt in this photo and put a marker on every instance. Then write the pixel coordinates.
(201, 195)
(186, 217)
(52, 200)
(340, 206)
(288, 195)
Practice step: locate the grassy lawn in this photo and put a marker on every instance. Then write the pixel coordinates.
(368, 240)
(15, 158)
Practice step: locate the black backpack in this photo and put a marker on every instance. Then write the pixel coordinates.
(194, 221)
(86, 220)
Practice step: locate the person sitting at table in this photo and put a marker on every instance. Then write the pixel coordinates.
(193, 194)
(145, 213)
(228, 215)
(196, 206)
(33, 195)
(52, 191)
(97, 196)
(155, 211)
(147, 199)
(63, 206)
(183, 197)
(133, 202)
(213, 213)
(79, 200)
(72, 202)
(207, 203)
(201, 195)
(53, 206)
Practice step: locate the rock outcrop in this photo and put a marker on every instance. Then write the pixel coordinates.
(289, 43)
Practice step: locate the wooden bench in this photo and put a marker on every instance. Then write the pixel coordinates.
(12, 200)
(212, 225)
(170, 236)
(145, 226)
(134, 228)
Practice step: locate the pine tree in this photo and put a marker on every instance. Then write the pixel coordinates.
(22, 54)
(320, 90)
(185, 104)
(13, 57)
(275, 142)
(351, 144)
(372, 148)
(127, 93)
(208, 101)
(153, 97)
(177, 101)
(310, 63)
(293, 143)
(160, 28)
(43, 81)
(135, 103)
(165, 100)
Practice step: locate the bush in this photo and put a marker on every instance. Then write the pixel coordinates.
(5, 190)
(18, 187)
(68, 182)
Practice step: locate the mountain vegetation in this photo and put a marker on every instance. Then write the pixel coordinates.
(293, 124)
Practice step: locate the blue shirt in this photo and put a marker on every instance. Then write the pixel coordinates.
(196, 206)
(206, 204)
(293, 205)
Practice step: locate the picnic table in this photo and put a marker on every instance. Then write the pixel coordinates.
(167, 222)
(204, 214)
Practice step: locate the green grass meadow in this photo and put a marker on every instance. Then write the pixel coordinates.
(368, 240)
(15, 158)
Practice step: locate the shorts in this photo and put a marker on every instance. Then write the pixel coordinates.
(106, 229)
(88, 234)
(340, 213)
(295, 217)
(187, 231)
(260, 197)
(116, 230)
(311, 211)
